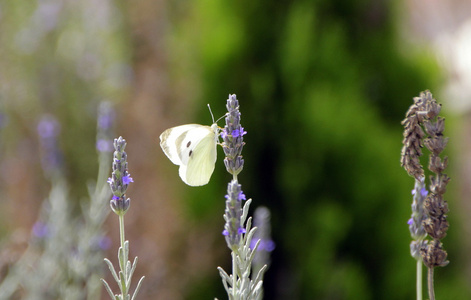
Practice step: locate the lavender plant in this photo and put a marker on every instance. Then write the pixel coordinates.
(239, 285)
(62, 259)
(263, 234)
(423, 126)
(119, 182)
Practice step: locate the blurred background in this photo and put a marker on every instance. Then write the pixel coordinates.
(322, 86)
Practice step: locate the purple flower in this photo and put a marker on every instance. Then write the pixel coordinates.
(241, 230)
(40, 229)
(51, 157)
(238, 132)
(104, 242)
(262, 234)
(103, 145)
(424, 192)
(120, 178)
(233, 228)
(232, 136)
(264, 245)
(106, 116)
(127, 179)
(48, 127)
(415, 222)
(105, 122)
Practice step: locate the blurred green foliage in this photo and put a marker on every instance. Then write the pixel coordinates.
(323, 86)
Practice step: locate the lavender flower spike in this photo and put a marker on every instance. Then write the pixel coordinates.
(242, 283)
(416, 228)
(106, 118)
(263, 234)
(119, 181)
(120, 178)
(232, 136)
(233, 214)
(233, 142)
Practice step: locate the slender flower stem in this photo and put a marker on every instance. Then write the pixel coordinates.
(419, 279)
(431, 292)
(121, 230)
(234, 274)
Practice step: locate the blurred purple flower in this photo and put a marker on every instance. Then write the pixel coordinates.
(265, 245)
(48, 127)
(263, 234)
(104, 145)
(105, 122)
(106, 115)
(51, 157)
(40, 229)
(104, 242)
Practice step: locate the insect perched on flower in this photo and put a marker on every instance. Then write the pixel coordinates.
(193, 148)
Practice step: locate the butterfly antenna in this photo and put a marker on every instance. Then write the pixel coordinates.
(221, 117)
(210, 111)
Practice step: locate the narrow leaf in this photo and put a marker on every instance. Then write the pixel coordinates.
(137, 288)
(107, 288)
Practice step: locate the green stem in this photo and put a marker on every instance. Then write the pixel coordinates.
(419, 279)
(431, 292)
(124, 257)
(121, 229)
(234, 275)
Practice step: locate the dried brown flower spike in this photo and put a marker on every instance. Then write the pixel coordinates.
(435, 205)
(421, 121)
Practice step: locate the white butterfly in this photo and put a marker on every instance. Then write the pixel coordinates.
(193, 148)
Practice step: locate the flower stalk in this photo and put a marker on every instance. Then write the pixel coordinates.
(423, 127)
(239, 284)
(119, 182)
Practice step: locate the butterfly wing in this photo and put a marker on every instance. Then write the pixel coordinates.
(169, 144)
(193, 148)
(201, 163)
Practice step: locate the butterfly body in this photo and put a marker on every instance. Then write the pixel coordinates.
(193, 148)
